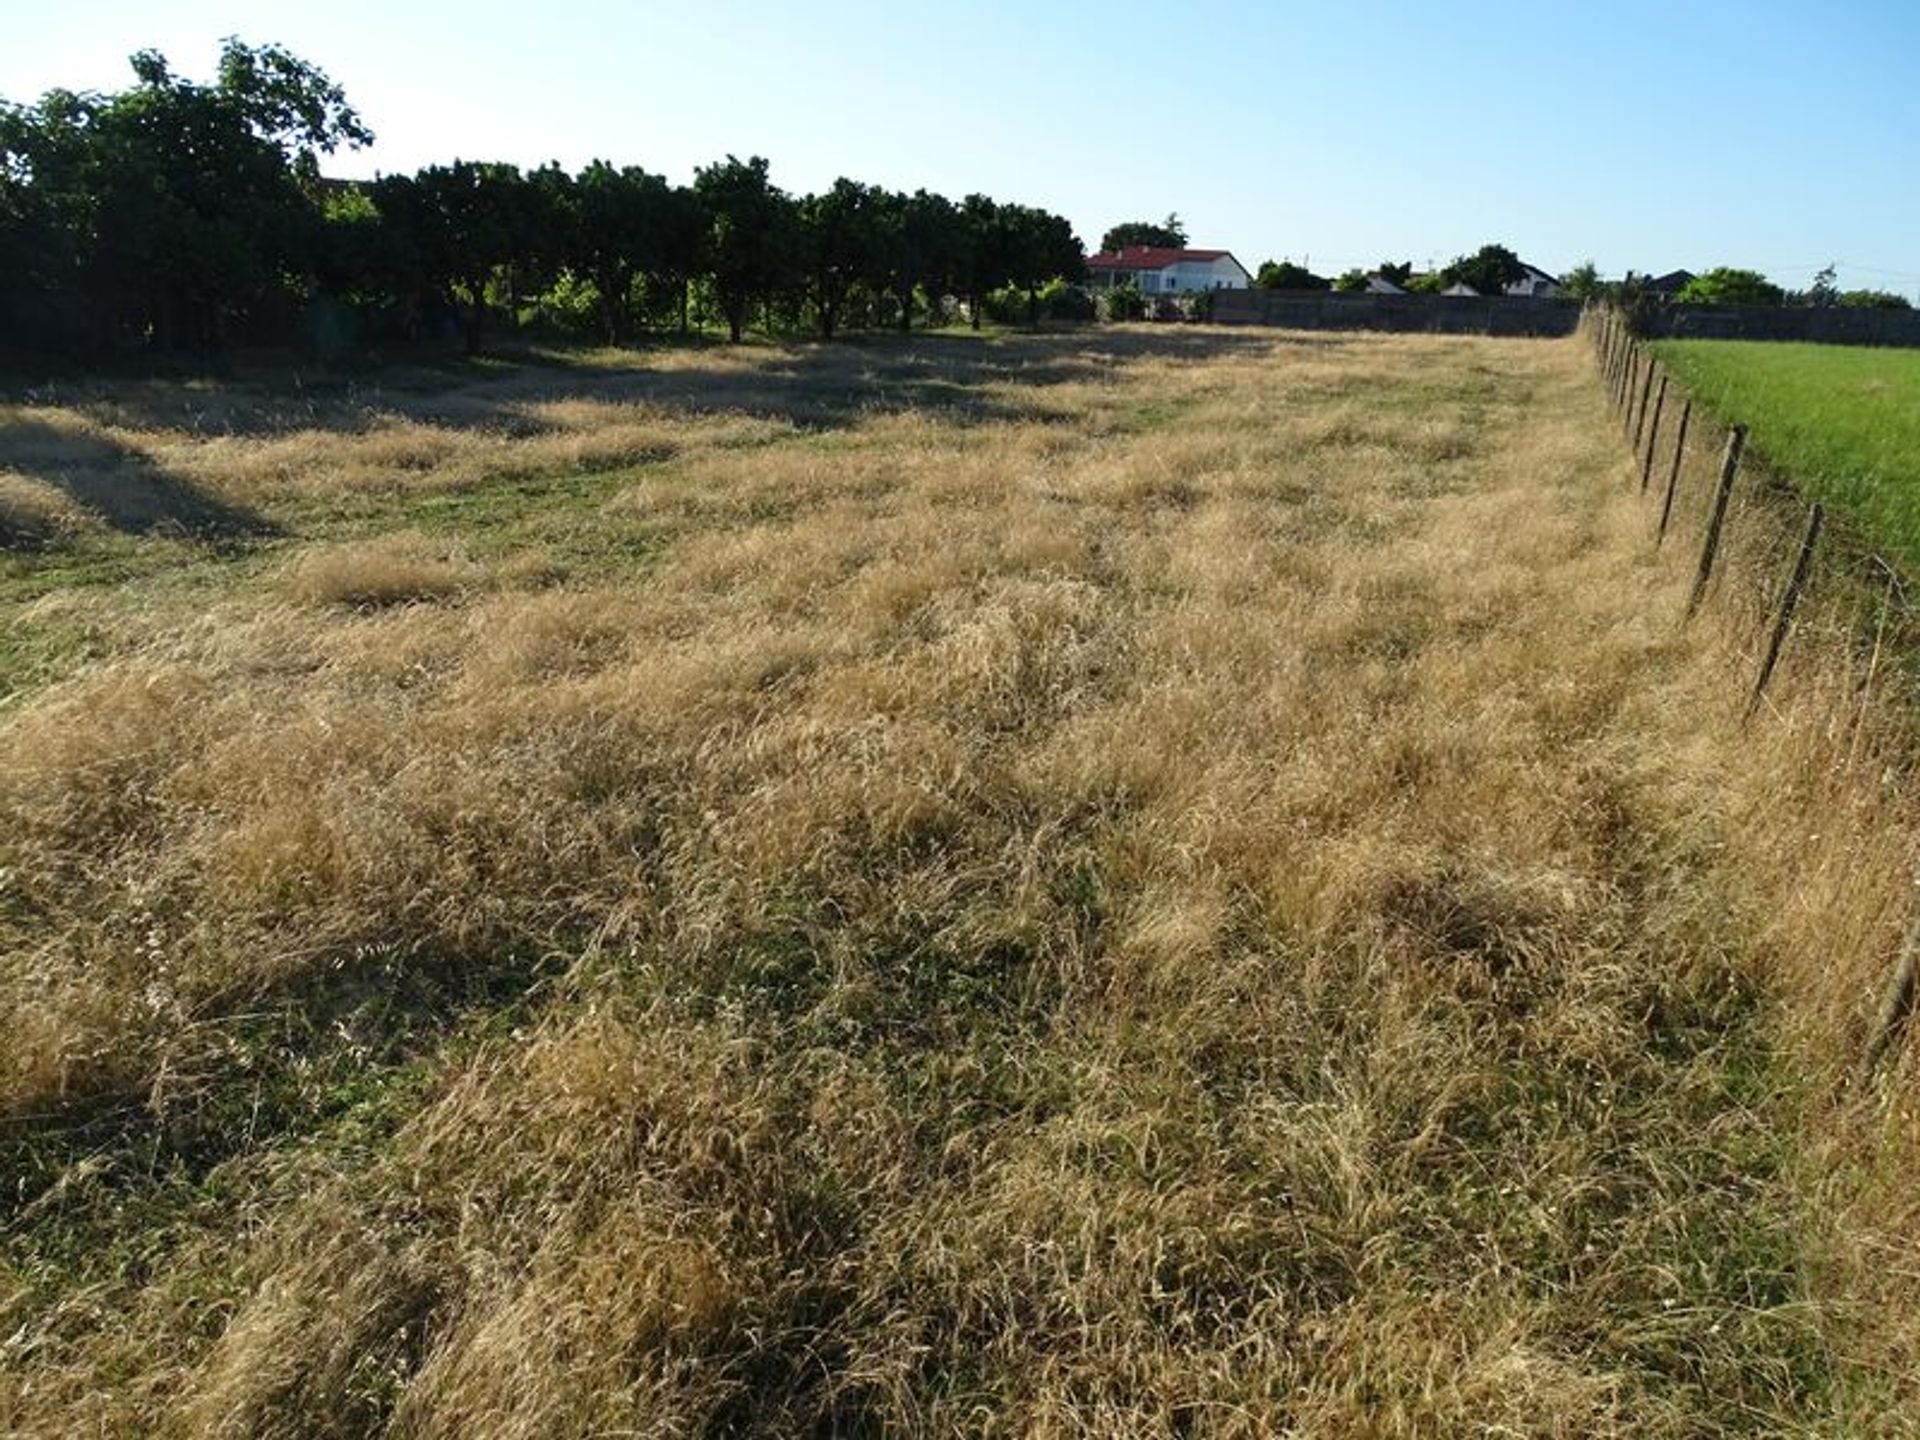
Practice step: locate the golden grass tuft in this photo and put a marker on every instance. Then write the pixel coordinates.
(366, 574)
(33, 514)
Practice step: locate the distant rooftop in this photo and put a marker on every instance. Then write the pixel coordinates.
(1149, 257)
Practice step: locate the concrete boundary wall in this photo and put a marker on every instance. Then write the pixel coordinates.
(1439, 314)
(1822, 324)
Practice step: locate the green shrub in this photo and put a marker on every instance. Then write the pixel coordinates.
(1123, 302)
(1197, 305)
(1728, 286)
(1061, 301)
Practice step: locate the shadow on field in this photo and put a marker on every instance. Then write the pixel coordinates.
(121, 486)
(957, 378)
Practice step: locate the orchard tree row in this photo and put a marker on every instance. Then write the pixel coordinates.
(182, 216)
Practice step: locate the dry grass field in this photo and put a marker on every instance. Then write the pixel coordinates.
(1149, 882)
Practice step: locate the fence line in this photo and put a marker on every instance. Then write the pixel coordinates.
(1829, 558)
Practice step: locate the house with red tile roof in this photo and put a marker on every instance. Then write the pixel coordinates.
(1162, 270)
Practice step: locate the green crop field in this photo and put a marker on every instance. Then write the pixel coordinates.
(1842, 423)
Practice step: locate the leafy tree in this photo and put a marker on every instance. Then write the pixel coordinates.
(619, 213)
(458, 222)
(1489, 270)
(1726, 285)
(1040, 247)
(1351, 282)
(981, 259)
(841, 238)
(1824, 290)
(1583, 282)
(171, 210)
(1875, 300)
(920, 243)
(544, 221)
(285, 101)
(750, 230)
(355, 259)
(1169, 233)
(1285, 275)
(1395, 272)
(679, 254)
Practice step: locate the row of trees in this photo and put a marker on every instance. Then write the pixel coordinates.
(179, 215)
(1729, 285)
(1492, 268)
(1489, 270)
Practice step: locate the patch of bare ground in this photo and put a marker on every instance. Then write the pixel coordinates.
(1155, 882)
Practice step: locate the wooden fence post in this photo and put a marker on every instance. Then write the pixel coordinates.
(1673, 475)
(1788, 600)
(1646, 389)
(1653, 434)
(1627, 377)
(1729, 467)
(1897, 1008)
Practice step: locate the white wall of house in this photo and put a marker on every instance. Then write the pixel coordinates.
(1536, 283)
(1180, 277)
(1223, 273)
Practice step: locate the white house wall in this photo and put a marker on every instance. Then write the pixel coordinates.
(1206, 275)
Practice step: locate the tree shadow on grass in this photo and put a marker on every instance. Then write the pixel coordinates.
(120, 486)
(954, 377)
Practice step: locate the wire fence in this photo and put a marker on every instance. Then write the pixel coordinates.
(1813, 606)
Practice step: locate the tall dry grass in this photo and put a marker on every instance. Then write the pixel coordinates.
(1184, 885)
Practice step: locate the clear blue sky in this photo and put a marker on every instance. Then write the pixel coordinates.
(1690, 132)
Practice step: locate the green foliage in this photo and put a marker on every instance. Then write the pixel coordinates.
(1351, 282)
(920, 245)
(175, 215)
(1169, 233)
(611, 210)
(1061, 299)
(170, 214)
(1285, 275)
(751, 239)
(1013, 246)
(574, 304)
(1583, 282)
(1196, 304)
(1395, 272)
(1123, 302)
(1728, 286)
(843, 237)
(1875, 300)
(1431, 283)
(1489, 270)
(1824, 290)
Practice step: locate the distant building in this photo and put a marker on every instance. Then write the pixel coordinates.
(1536, 283)
(1380, 285)
(1671, 283)
(1460, 287)
(1161, 270)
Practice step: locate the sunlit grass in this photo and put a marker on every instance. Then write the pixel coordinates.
(1841, 422)
(1149, 882)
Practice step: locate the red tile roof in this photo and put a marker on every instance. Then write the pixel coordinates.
(1148, 257)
